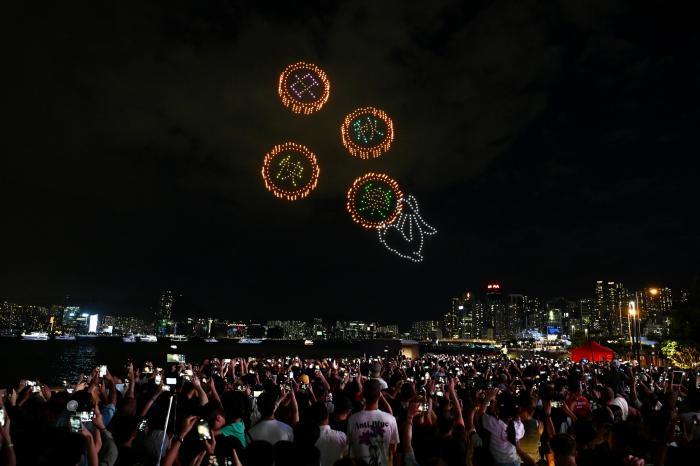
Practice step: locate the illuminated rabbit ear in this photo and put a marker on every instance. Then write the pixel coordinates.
(410, 225)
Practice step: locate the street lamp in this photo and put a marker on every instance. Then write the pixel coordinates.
(634, 333)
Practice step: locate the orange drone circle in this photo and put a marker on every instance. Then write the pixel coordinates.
(290, 171)
(304, 88)
(367, 132)
(374, 200)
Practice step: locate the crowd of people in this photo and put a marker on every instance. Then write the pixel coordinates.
(435, 410)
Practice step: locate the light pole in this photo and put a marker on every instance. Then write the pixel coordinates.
(634, 334)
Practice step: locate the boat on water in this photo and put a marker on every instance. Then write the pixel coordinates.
(35, 336)
(64, 337)
(178, 338)
(308, 343)
(211, 340)
(129, 339)
(148, 338)
(88, 335)
(250, 341)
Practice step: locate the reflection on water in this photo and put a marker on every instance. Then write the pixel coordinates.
(75, 360)
(51, 362)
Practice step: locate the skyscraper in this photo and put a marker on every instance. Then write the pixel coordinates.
(654, 306)
(496, 315)
(164, 313)
(610, 303)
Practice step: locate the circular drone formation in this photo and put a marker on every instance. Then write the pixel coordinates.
(374, 200)
(304, 88)
(290, 171)
(367, 132)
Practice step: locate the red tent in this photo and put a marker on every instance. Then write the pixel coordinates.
(593, 352)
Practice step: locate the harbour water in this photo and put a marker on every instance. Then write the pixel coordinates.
(52, 361)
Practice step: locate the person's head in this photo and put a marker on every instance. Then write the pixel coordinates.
(341, 406)
(65, 449)
(371, 391)
(124, 429)
(259, 453)
(317, 413)
(235, 405)
(376, 370)
(564, 448)
(266, 404)
(214, 414)
(505, 406)
(84, 399)
(306, 432)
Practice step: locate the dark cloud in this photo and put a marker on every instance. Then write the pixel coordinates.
(549, 143)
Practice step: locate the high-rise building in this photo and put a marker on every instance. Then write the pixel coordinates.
(516, 314)
(451, 327)
(467, 317)
(654, 305)
(496, 312)
(164, 314)
(610, 303)
(74, 321)
(424, 330)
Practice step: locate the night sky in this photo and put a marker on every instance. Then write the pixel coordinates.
(550, 143)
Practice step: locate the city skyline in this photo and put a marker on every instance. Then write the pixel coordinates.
(168, 306)
(544, 143)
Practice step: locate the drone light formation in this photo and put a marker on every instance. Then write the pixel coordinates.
(304, 88)
(367, 132)
(374, 200)
(290, 171)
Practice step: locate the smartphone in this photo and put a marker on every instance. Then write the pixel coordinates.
(2, 417)
(147, 370)
(203, 430)
(158, 379)
(556, 404)
(256, 393)
(120, 387)
(171, 381)
(176, 358)
(677, 377)
(86, 416)
(142, 425)
(75, 423)
(103, 370)
(166, 388)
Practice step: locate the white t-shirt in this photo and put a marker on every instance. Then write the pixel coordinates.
(624, 407)
(271, 431)
(331, 443)
(369, 435)
(382, 383)
(502, 450)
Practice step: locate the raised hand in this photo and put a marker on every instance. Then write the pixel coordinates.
(210, 445)
(97, 420)
(187, 425)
